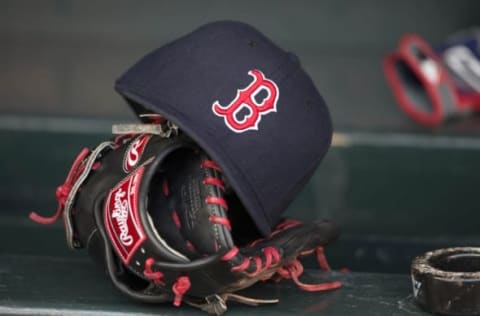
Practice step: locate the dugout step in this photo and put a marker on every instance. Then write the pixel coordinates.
(49, 285)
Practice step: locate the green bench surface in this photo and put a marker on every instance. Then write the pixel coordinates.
(49, 285)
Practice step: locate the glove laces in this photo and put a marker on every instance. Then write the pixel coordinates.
(294, 269)
(85, 162)
(179, 288)
(63, 191)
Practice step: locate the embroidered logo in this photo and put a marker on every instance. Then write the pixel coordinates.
(245, 100)
(121, 216)
(134, 152)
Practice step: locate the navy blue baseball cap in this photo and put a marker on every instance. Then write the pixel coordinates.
(247, 102)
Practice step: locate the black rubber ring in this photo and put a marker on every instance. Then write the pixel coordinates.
(447, 281)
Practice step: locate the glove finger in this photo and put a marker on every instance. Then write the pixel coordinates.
(164, 217)
(188, 207)
(297, 237)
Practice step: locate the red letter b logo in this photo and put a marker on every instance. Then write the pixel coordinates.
(245, 99)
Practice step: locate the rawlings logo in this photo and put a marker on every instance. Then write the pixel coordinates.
(245, 99)
(121, 216)
(134, 152)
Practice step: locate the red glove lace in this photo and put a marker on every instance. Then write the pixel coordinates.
(293, 270)
(63, 190)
